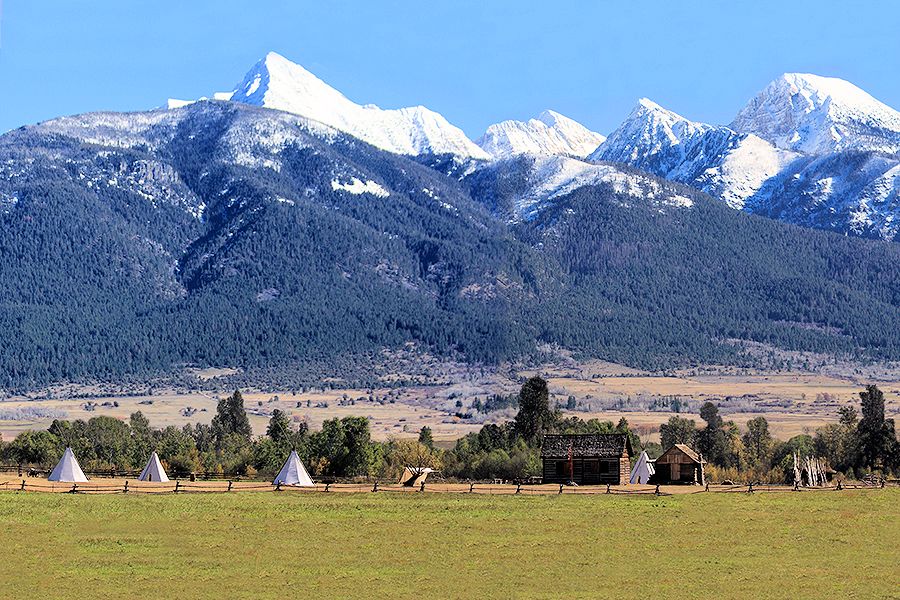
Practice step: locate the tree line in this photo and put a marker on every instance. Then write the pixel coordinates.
(343, 448)
(854, 446)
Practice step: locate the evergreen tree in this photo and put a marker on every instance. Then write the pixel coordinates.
(425, 437)
(712, 440)
(231, 418)
(875, 434)
(633, 438)
(534, 410)
(758, 442)
(279, 429)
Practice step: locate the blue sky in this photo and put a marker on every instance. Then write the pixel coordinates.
(477, 62)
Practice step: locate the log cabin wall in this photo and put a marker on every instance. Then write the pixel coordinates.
(596, 459)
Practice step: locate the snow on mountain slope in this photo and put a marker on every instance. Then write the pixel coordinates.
(546, 178)
(816, 115)
(714, 159)
(549, 134)
(851, 192)
(176, 103)
(739, 172)
(245, 136)
(120, 130)
(280, 84)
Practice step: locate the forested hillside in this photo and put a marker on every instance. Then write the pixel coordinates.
(227, 235)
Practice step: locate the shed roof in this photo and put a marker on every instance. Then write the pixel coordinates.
(587, 445)
(686, 450)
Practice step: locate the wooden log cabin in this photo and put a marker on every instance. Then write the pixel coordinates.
(679, 464)
(587, 459)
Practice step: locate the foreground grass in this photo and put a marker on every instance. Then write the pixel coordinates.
(266, 545)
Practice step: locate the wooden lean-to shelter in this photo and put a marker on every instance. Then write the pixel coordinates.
(679, 464)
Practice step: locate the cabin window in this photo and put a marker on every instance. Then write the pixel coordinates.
(606, 467)
(592, 467)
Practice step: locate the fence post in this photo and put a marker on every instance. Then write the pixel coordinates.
(177, 486)
(707, 486)
(422, 487)
(327, 485)
(657, 490)
(229, 485)
(607, 488)
(375, 487)
(126, 487)
(278, 487)
(74, 488)
(471, 487)
(518, 488)
(23, 485)
(560, 488)
(750, 488)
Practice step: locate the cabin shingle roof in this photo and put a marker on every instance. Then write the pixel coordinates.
(590, 445)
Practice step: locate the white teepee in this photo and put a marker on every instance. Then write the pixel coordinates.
(293, 473)
(67, 469)
(643, 469)
(154, 471)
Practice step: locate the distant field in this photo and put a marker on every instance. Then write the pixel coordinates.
(265, 545)
(790, 401)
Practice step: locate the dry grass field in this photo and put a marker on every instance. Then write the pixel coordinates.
(396, 419)
(267, 545)
(793, 403)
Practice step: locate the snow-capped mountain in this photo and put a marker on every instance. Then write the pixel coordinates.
(714, 159)
(816, 115)
(549, 134)
(172, 232)
(651, 134)
(277, 83)
(809, 150)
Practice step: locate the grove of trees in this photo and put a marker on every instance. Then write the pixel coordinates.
(853, 446)
(343, 448)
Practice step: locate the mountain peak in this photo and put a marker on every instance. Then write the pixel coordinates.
(549, 134)
(817, 115)
(658, 140)
(647, 109)
(551, 118)
(278, 83)
(647, 103)
(648, 129)
(274, 56)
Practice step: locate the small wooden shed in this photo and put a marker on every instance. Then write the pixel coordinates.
(586, 459)
(679, 464)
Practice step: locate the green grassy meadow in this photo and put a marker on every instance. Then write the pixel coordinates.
(267, 545)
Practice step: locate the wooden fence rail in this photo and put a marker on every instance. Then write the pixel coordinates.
(131, 487)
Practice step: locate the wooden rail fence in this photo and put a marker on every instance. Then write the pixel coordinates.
(231, 486)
